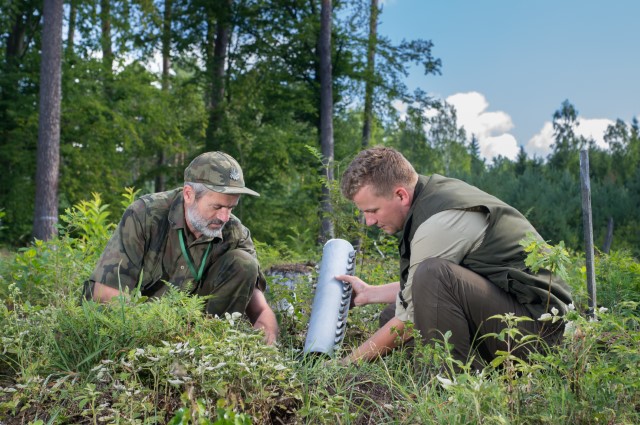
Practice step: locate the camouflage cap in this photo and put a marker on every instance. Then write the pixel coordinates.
(218, 172)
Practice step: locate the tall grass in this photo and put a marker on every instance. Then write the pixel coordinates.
(137, 361)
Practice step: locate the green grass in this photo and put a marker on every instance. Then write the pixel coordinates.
(137, 362)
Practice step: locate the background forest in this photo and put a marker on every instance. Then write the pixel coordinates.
(105, 100)
(147, 85)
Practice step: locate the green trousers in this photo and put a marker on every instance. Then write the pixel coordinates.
(227, 284)
(449, 297)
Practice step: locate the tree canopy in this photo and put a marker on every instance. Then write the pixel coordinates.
(147, 85)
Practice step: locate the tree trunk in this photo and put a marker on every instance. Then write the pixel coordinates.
(161, 181)
(166, 44)
(105, 39)
(217, 73)
(370, 74)
(71, 33)
(48, 153)
(326, 117)
(24, 23)
(367, 119)
(608, 239)
(16, 42)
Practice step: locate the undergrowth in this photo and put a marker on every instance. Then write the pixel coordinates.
(136, 361)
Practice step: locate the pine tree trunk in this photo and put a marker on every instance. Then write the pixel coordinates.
(71, 33)
(217, 73)
(370, 74)
(48, 153)
(326, 116)
(105, 39)
(161, 180)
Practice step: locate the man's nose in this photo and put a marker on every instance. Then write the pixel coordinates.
(369, 220)
(224, 214)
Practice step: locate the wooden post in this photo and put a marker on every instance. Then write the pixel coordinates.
(606, 246)
(588, 230)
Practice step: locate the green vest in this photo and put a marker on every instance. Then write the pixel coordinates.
(500, 258)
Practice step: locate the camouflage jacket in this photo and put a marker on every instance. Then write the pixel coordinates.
(145, 247)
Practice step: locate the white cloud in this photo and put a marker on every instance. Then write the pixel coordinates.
(401, 107)
(540, 144)
(490, 127)
(594, 128)
(590, 128)
(504, 144)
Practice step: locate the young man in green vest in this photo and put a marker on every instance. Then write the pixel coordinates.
(460, 260)
(187, 238)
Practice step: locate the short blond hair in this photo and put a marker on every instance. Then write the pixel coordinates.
(381, 167)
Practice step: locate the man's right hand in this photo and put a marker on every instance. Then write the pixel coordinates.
(103, 293)
(363, 293)
(360, 288)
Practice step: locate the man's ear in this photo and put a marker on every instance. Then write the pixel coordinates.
(402, 194)
(189, 194)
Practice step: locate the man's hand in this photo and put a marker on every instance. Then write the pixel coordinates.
(262, 317)
(103, 293)
(363, 293)
(380, 343)
(360, 289)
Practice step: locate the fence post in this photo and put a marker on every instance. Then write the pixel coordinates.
(606, 246)
(588, 230)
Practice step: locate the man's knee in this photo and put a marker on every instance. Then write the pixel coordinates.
(240, 262)
(231, 283)
(388, 313)
(430, 275)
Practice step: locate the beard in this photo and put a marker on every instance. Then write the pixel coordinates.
(201, 224)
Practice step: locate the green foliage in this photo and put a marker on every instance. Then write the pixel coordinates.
(590, 378)
(45, 269)
(344, 216)
(163, 361)
(617, 279)
(88, 222)
(282, 252)
(558, 385)
(197, 414)
(2, 214)
(134, 356)
(541, 255)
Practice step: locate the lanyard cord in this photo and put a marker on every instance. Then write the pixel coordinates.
(197, 276)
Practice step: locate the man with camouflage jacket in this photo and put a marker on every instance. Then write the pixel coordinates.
(187, 238)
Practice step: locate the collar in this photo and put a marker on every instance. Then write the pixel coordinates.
(417, 191)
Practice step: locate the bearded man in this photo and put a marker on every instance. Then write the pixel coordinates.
(188, 238)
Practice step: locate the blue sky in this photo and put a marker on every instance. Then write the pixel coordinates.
(507, 65)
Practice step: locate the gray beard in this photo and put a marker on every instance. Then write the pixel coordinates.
(202, 225)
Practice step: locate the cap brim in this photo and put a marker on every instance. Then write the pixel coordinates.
(230, 190)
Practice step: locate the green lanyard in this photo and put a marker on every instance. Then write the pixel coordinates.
(187, 257)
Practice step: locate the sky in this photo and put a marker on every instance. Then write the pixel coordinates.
(507, 65)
